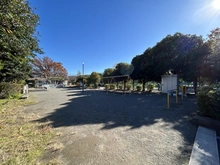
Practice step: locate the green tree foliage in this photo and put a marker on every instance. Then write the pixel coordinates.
(208, 99)
(107, 73)
(9, 90)
(120, 70)
(94, 79)
(213, 59)
(183, 54)
(18, 39)
(143, 69)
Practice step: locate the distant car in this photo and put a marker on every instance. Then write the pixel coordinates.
(46, 86)
(60, 86)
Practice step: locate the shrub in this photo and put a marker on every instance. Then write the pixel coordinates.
(10, 90)
(209, 101)
(107, 86)
(150, 87)
(90, 86)
(139, 87)
(95, 86)
(120, 87)
(128, 86)
(112, 86)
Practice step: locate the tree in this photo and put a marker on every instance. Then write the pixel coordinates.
(122, 69)
(18, 43)
(47, 68)
(183, 54)
(72, 79)
(140, 71)
(94, 78)
(214, 58)
(107, 73)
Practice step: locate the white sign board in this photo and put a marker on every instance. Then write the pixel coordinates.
(168, 82)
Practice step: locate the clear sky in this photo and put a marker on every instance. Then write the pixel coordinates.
(102, 33)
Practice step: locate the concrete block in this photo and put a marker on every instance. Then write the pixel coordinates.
(205, 149)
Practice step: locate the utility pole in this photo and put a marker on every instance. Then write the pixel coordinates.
(83, 76)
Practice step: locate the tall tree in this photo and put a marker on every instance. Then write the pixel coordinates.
(47, 68)
(214, 58)
(18, 43)
(184, 54)
(142, 68)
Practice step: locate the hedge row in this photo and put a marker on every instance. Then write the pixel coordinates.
(209, 101)
(10, 90)
(113, 87)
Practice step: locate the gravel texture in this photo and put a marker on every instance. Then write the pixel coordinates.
(115, 129)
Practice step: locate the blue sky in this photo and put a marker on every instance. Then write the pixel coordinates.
(102, 33)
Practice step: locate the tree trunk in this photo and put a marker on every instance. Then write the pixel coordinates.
(133, 85)
(195, 85)
(143, 85)
(124, 84)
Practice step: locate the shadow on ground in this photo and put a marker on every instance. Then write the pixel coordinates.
(134, 110)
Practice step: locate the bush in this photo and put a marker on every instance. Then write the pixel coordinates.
(150, 87)
(95, 86)
(128, 86)
(107, 86)
(209, 101)
(112, 86)
(120, 87)
(90, 86)
(139, 88)
(10, 90)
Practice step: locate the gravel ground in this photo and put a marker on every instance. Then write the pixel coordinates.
(136, 129)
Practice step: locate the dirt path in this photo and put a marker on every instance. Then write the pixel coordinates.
(136, 129)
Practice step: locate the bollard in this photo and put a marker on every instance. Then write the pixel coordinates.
(176, 96)
(182, 92)
(168, 100)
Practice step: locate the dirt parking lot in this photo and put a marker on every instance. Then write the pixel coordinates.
(136, 129)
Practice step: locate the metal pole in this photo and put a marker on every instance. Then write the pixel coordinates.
(83, 76)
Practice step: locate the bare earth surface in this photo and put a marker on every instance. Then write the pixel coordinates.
(101, 129)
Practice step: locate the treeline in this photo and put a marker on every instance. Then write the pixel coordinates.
(191, 57)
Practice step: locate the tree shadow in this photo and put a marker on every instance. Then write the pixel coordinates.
(133, 111)
(115, 110)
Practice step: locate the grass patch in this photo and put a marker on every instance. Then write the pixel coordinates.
(21, 141)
